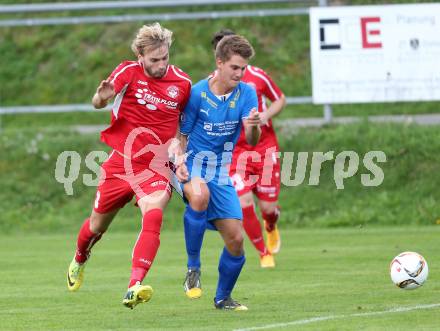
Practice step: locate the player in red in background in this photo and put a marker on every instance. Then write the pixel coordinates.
(150, 95)
(262, 161)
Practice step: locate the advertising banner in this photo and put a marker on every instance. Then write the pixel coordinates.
(375, 53)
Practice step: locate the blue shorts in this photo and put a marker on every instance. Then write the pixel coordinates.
(223, 203)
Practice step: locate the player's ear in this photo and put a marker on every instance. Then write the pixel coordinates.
(218, 62)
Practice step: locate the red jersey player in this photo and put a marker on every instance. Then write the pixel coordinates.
(150, 95)
(255, 170)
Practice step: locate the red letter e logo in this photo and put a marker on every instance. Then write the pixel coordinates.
(366, 33)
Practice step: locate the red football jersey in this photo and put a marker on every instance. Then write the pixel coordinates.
(265, 88)
(145, 110)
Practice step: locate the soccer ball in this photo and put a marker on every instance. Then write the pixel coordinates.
(409, 270)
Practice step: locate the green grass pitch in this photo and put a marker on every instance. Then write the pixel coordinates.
(325, 279)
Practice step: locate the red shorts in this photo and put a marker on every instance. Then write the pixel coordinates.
(117, 187)
(256, 171)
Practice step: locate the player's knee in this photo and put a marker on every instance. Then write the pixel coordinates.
(269, 207)
(199, 203)
(99, 222)
(198, 195)
(246, 200)
(235, 244)
(270, 213)
(267, 210)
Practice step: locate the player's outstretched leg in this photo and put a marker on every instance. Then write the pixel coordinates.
(195, 226)
(194, 219)
(86, 240)
(144, 253)
(229, 269)
(252, 226)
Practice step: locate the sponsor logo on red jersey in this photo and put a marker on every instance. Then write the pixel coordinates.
(173, 91)
(149, 98)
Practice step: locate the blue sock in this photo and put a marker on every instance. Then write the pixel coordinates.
(195, 225)
(229, 269)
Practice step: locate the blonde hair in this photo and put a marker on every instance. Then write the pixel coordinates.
(233, 45)
(151, 37)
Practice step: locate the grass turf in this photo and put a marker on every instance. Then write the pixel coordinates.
(320, 273)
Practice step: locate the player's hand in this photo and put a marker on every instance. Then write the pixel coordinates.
(106, 89)
(264, 119)
(254, 118)
(182, 173)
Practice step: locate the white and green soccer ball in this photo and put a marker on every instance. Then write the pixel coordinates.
(409, 270)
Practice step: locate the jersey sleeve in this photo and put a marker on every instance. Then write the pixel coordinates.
(121, 76)
(271, 90)
(251, 102)
(186, 98)
(190, 113)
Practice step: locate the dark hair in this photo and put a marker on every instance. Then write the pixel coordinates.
(219, 36)
(234, 45)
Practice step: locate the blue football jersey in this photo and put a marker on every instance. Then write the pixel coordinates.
(213, 125)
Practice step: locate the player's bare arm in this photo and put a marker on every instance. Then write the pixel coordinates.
(104, 92)
(252, 128)
(182, 173)
(274, 109)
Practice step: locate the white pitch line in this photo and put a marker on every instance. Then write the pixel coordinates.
(331, 317)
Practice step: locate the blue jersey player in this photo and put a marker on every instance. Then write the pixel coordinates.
(218, 108)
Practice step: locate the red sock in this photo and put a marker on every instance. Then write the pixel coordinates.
(146, 245)
(271, 219)
(86, 240)
(252, 227)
